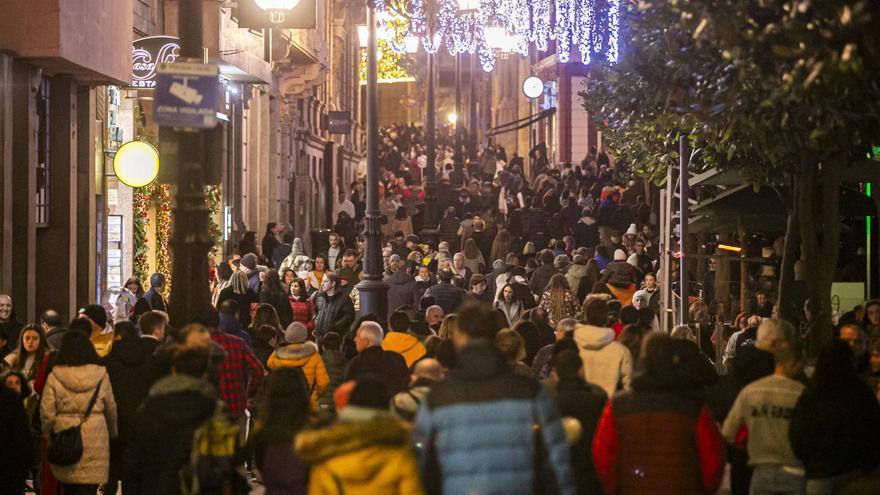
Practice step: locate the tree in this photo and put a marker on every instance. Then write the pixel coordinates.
(784, 91)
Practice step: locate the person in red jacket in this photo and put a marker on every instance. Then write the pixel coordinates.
(659, 437)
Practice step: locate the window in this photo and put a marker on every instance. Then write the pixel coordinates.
(44, 153)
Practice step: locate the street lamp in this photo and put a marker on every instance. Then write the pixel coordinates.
(452, 118)
(363, 33)
(277, 9)
(372, 289)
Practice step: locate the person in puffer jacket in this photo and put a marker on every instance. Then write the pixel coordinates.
(299, 353)
(400, 341)
(481, 429)
(660, 437)
(607, 363)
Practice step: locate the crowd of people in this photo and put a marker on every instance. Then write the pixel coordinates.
(522, 354)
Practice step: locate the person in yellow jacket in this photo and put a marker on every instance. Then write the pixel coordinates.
(401, 342)
(300, 353)
(367, 452)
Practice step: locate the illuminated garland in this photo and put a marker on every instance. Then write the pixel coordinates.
(213, 199)
(158, 196)
(388, 63)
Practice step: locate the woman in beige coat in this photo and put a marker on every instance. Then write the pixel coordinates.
(66, 397)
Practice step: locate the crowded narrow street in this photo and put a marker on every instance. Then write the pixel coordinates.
(425, 247)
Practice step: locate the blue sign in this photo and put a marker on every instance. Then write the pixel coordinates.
(187, 95)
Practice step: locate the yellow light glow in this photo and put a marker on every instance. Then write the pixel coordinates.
(452, 118)
(735, 249)
(136, 163)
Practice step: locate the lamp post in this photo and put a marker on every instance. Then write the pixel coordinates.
(373, 291)
(457, 157)
(472, 112)
(431, 220)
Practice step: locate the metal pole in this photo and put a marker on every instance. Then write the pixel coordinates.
(457, 157)
(431, 202)
(683, 221)
(373, 291)
(190, 242)
(472, 111)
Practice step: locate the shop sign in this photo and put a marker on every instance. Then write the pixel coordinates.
(187, 95)
(147, 54)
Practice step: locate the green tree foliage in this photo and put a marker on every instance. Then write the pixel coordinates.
(780, 90)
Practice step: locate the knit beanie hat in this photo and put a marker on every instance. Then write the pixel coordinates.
(249, 261)
(619, 255)
(296, 333)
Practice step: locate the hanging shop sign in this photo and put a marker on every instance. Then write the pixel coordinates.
(136, 163)
(147, 54)
(290, 14)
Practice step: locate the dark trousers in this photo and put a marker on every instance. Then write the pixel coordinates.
(70, 489)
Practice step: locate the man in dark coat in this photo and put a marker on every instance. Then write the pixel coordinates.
(401, 285)
(270, 242)
(162, 439)
(388, 366)
(445, 294)
(541, 276)
(334, 311)
(152, 299)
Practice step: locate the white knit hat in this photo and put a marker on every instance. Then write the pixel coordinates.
(619, 255)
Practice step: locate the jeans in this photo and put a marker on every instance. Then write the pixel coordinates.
(774, 479)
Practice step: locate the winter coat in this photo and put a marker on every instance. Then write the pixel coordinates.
(303, 311)
(837, 433)
(17, 445)
(333, 313)
(404, 344)
(366, 457)
(619, 274)
(447, 296)
(281, 303)
(334, 363)
(244, 303)
(583, 402)
(478, 432)
(162, 440)
(512, 312)
(283, 472)
(575, 275)
(540, 277)
(586, 232)
(132, 370)
(388, 366)
(304, 356)
(64, 402)
(660, 441)
(607, 363)
(401, 287)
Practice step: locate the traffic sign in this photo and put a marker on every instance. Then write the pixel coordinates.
(187, 95)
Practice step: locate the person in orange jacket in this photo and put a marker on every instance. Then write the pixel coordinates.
(301, 353)
(400, 341)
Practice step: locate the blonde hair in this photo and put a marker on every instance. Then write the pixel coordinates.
(448, 326)
(511, 344)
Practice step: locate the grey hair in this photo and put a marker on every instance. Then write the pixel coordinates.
(371, 331)
(778, 337)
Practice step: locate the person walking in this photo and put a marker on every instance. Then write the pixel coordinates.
(152, 299)
(243, 295)
(299, 352)
(510, 305)
(445, 293)
(486, 429)
(765, 408)
(558, 301)
(366, 452)
(272, 292)
(29, 353)
(660, 436)
(302, 307)
(835, 428)
(607, 363)
(334, 309)
(67, 402)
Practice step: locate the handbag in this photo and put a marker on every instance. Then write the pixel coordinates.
(66, 447)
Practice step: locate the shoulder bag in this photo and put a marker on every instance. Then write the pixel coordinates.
(66, 446)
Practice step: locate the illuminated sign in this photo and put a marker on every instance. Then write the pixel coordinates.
(147, 54)
(136, 163)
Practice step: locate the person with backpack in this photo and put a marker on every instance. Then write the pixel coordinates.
(176, 407)
(78, 394)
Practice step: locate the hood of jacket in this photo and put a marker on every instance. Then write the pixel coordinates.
(400, 342)
(577, 271)
(293, 355)
(592, 338)
(478, 360)
(400, 277)
(130, 353)
(588, 220)
(79, 378)
(346, 437)
(183, 383)
(180, 400)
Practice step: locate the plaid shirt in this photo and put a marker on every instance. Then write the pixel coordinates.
(240, 372)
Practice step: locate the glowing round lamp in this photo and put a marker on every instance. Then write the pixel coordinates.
(277, 9)
(136, 163)
(533, 87)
